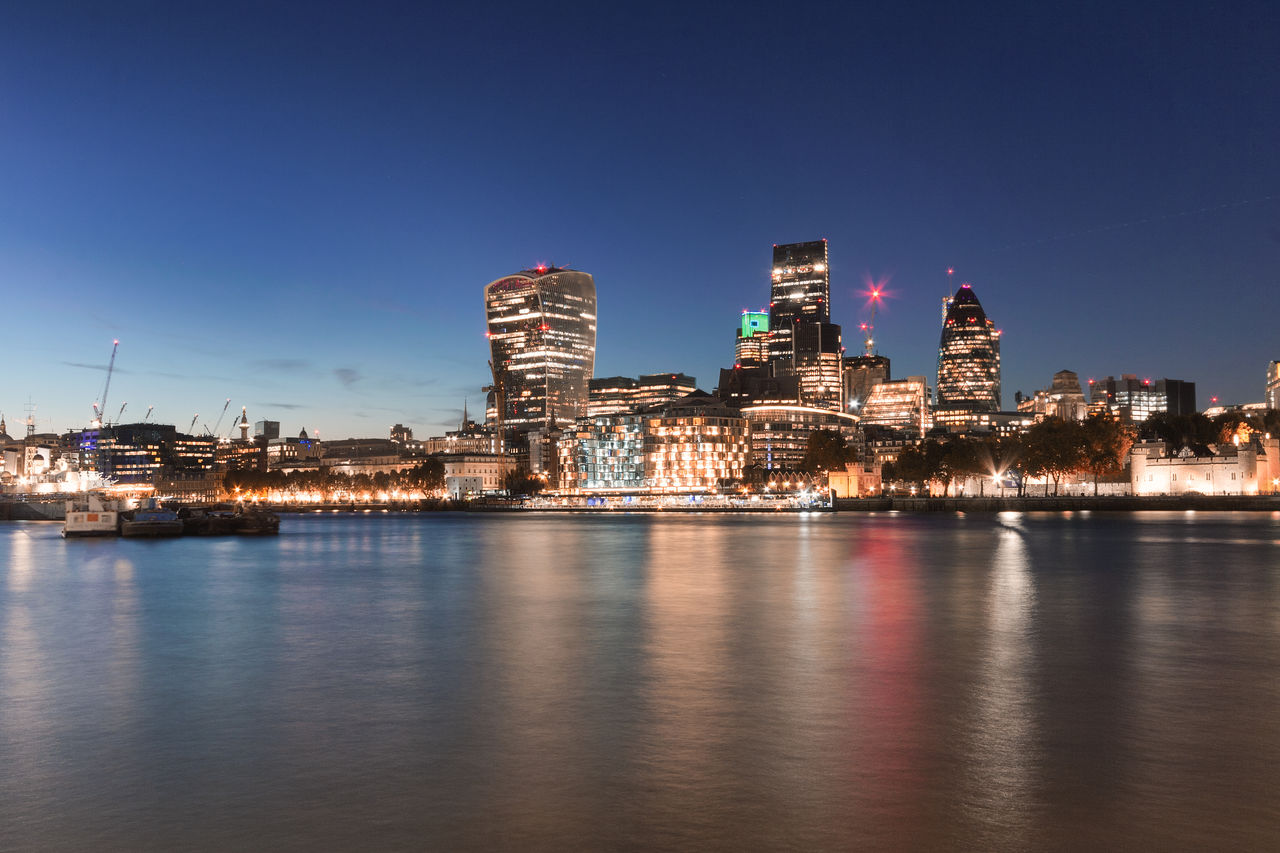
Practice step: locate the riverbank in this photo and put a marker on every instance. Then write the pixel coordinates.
(1114, 503)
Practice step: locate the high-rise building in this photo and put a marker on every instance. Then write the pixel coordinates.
(861, 374)
(817, 363)
(751, 346)
(899, 404)
(1134, 400)
(1273, 385)
(968, 361)
(800, 292)
(612, 395)
(542, 343)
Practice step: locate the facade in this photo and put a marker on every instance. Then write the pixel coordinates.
(542, 343)
(475, 473)
(266, 429)
(899, 404)
(620, 394)
(1250, 468)
(1272, 397)
(818, 363)
(968, 359)
(695, 445)
(603, 453)
(1133, 400)
(857, 480)
(800, 292)
(751, 346)
(861, 374)
(1064, 399)
(780, 434)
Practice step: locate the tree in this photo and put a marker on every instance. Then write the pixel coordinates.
(1055, 448)
(519, 481)
(825, 451)
(1104, 446)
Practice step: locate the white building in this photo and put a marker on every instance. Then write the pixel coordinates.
(1249, 469)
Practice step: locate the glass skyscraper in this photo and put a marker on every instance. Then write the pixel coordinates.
(968, 360)
(542, 344)
(800, 292)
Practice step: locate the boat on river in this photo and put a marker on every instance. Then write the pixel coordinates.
(91, 516)
(151, 521)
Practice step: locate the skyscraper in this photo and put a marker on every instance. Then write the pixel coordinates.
(751, 346)
(542, 344)
(968, 361)
(800, 292)
(1272, 393)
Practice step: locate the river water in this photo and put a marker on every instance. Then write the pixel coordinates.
(1018, 681)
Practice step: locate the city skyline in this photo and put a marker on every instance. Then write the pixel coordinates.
(302, 218)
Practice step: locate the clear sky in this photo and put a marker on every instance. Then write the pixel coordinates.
(297, 205)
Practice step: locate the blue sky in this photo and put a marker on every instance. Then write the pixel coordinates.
(297, 206)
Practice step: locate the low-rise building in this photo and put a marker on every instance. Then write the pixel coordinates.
(1250, 468)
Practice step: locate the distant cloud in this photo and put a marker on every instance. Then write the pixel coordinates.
(347, 376)
(289, 406)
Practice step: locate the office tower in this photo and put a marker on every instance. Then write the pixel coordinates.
(817, 363)
(899, 404)
(542, 343)
(800, 292)
(612, 395)
(1272, 397)
(861, 374)
(1134, 400)
(751, 347)
(968, 361)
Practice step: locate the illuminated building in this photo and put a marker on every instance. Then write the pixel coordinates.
(619, 394)
(800, 292)
(542, 342)
(1272, 397)
(1134, 400)
(861, 374)
(751, 346)
(604, 452)
(780, 434)
(402, 434)
(968, 360)
(1249, 468)
(745, 386)
(475, 473)
(899, 404)
(695, 444)
(817, 364)
(1064, 399)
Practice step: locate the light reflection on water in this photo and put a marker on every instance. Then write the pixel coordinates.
(1005, 682)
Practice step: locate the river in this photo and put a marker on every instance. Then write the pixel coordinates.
(1012, 681)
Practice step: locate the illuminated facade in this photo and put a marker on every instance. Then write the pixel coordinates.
(968, 360)
(899, 404)
(1272, 397)
(697, 444)
(1250, 468)
(603, 453)
(800, 293)
(542, 343)
(1064, 399)
(861, 374)
(612, 395)
(1133, 400)
(818, 364)
(780, 434)
(751, 346)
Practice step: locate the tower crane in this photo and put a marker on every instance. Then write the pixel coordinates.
(193, 423)
(221, 416)
(148, 414)
(868, 342)
(100, 409)
(120, 413)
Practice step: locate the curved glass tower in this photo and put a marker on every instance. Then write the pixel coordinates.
(968, 358)
(542, 344)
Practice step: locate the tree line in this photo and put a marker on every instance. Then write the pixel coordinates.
(427, 476)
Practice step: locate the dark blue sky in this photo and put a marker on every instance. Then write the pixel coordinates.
(298, 206)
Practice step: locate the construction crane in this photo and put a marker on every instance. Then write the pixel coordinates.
(100, 408)
(120, 413)
(148, 414)
(193, 424)
(221, 416)
(868, 342)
